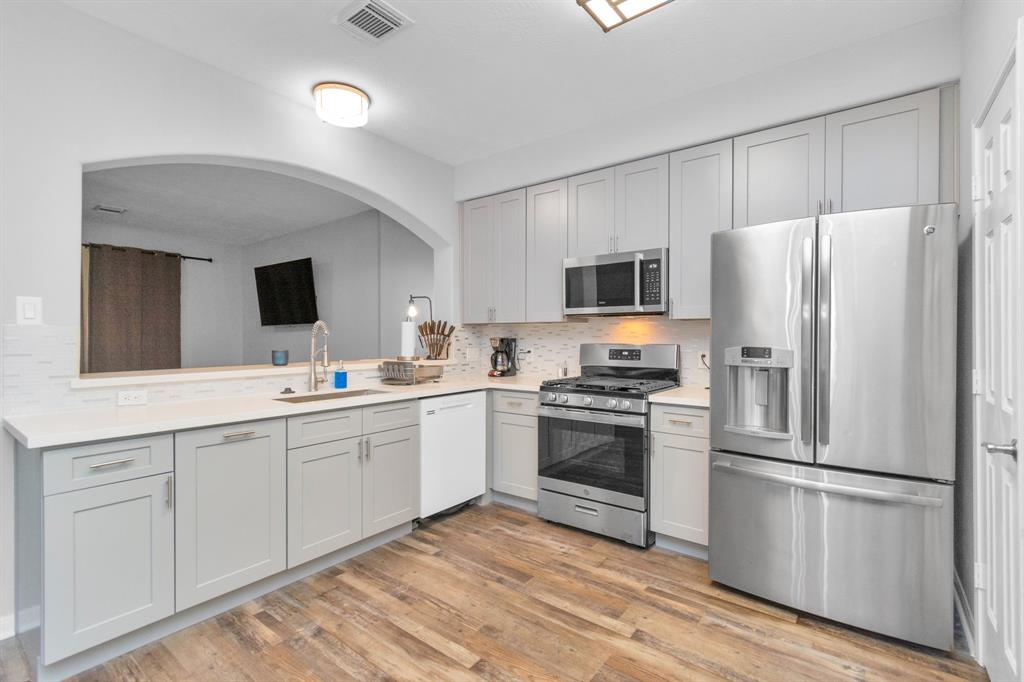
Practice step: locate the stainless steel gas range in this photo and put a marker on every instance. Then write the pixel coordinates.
(593, 464)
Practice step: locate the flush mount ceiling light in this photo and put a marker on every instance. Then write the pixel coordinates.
(341, 104)
(611, 13)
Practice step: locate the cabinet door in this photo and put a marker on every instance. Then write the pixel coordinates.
(325, 500)
(508, 302)
(109, 563)
(591, 213)
(230, 525)
(546, 239)
(478, 249)
(391, 479)
(641, 204)
(779, 174)
(884, 154)
(679, 487)
(700, 192)
(515, 455)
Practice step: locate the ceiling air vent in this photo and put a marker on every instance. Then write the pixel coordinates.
(372, 20)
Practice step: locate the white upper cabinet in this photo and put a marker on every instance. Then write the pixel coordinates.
(641, 204)
(700, 192)
(884, 154)
(478, 248)
(779, 174)
(591, 213)
(546, 239)
(509, 261)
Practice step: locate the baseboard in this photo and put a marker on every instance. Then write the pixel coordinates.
(963, 608)
(6, 626)
(690, 549)
(513, 501)
(27, 619)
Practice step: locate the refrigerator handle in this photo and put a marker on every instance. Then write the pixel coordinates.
(824, 337)
(806, 337)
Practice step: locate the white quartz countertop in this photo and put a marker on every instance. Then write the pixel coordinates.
(686, 396)
(84, 426)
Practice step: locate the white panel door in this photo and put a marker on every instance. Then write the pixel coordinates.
(230, 515)
(109, 563)
(508, 301)
(478, 248)
(325, 498)
(998, 261)
(591, 213)
(679, 487)
(700, 202)
(883, 155)
(546, 240)
(641, 204)
(515, 455)
(391, 479)
(779, 174)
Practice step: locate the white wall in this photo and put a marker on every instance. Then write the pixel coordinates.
(989, 27)
(121, 97)
(910, 59)
(406, 268)
(209, 324)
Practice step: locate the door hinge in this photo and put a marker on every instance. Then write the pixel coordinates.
(975, 382)
(979, 576)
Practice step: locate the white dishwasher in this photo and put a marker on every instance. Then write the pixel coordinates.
(453, 450)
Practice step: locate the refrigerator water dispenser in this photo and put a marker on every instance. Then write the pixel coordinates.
(758, 391)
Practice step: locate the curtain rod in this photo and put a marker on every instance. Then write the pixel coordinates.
(92, 246)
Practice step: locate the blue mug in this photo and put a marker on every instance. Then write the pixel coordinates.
(279, 358)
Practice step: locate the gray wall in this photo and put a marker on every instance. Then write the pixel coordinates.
(988, 27)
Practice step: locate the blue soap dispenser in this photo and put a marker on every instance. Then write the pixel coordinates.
(340, 376)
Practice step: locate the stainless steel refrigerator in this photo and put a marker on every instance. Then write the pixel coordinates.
(833, 414)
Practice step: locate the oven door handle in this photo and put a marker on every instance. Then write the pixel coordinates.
(593, 417)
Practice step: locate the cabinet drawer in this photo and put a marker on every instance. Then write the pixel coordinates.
(313, 429)
(85, 466)
(685, 421)
(390, 416)
(516, 402)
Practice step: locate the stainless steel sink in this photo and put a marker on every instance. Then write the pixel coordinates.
(316, 397)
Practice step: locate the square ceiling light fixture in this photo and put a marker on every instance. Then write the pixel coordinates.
(611, 13)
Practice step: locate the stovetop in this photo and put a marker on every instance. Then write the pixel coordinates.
(609, 384)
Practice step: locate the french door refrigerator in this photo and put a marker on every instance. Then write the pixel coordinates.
(833, 414)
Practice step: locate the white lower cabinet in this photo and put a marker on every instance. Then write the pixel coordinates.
(325, 499)
(108, 560)
(230, 508)
(515, 455)
(391, 479)
(679, 487)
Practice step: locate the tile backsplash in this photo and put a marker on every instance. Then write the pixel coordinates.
(39, 362)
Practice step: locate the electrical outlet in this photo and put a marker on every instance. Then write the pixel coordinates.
(132, 398)
(29, 309)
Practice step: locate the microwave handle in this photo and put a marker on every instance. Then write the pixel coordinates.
(638, 265)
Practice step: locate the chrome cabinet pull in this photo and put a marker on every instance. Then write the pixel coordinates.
(997, 449)
(359, 454)
(170, 492)
(819, 207)
(680, 422)
(616, 243)
(369, 447)
(239, 434)
(112, 463)
(609, 244)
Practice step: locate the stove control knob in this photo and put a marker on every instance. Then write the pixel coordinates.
(613, 403)
(563, 398)
(588, 401)
(626, 405)
(552, 397)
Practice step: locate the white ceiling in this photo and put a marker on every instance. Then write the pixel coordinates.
(220, 203)
(472, 78)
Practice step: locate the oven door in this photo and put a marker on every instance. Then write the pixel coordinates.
(617, 283)
(593, 455)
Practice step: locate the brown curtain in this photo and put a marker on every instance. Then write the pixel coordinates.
(133, 321)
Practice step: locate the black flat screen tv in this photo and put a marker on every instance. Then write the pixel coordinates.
(286, 293)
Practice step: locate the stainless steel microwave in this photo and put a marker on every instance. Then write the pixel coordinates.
(616, 283)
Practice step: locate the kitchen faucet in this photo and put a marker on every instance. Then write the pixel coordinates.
(320, 327)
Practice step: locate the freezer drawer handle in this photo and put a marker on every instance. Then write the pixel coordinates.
(880, 495)
(997, 449)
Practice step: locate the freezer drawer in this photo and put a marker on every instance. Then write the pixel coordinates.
(870, 551)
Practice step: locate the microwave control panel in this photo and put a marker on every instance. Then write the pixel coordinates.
(650, 282)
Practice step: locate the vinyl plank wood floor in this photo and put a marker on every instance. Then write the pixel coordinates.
(498, 594)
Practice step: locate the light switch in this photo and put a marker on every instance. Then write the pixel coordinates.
(29, 309)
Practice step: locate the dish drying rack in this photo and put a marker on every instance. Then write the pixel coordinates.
(408, 373)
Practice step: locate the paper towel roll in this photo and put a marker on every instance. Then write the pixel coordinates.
(408, 338)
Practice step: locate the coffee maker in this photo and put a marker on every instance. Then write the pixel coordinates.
(503, 359)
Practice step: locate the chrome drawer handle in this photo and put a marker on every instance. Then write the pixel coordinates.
(112, 463)
(681, 422)
(239, 434)
(585, 510)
